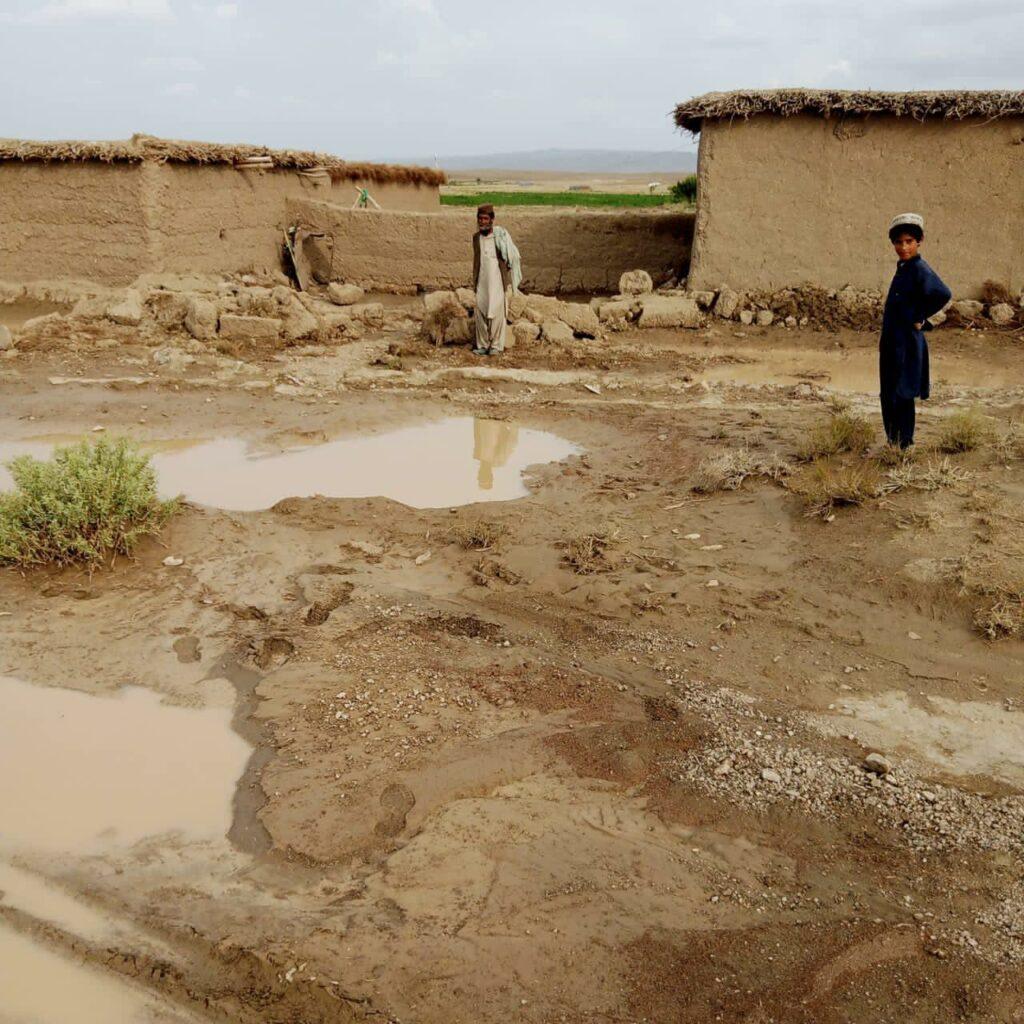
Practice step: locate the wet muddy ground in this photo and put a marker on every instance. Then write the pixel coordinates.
(386, 745)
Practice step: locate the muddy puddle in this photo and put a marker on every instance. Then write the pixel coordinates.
(16, 314)
(87, 774)
(450, 462)
(41, 986)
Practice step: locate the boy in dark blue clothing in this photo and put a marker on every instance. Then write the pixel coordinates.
(916, 293)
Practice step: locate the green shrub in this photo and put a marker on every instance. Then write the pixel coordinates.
(88, 502)
(685, 191)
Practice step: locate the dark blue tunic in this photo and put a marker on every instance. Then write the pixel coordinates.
(915, 294)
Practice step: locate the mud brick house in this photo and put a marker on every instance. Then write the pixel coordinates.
(110, 211)
(798, 186)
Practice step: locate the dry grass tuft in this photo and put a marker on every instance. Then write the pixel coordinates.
(478, 534)
(924, 476)
(1010, 445)
(591, 553)
(727, 472)
(964, 432)
(827, 486)
(843, 432)
(999, 584)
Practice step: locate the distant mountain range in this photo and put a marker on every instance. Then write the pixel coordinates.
(591, 161)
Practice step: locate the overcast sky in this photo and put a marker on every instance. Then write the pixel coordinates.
(387, 79)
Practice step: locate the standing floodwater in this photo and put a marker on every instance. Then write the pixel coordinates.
(454, 461)
(83, 774)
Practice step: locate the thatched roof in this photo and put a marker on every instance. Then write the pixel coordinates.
(146, 147)
(951, 105)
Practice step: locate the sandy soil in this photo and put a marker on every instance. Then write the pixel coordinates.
(487, 787)
(558, 181)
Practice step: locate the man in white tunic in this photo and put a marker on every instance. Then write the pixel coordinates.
(495, 269)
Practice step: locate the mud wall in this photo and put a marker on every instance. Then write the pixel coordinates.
(61, 222)
(562, 251)
(110, 222)
(784, 202)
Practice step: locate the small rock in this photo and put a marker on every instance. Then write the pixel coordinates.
(524, 332)
(770, 775)
(557, 332)
(726, 303)
(913, 636)
(703, 299)
(126, 310)
(201, 319)
(670, 311)
(635, 282)
(173, 562)
(344, 294)
(711, 583)
(746, 317)
(249, 328)
(968, 309)
(790, 321)
(724, 768)
(363, 546)
(6, 338)
(764, 318)
(877, 763)
(424, 558)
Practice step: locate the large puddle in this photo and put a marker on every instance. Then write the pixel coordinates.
(85, 774)
(455, 461)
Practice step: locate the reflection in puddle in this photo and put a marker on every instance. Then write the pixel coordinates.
(83, 773)
(451, 462)
(40, 986)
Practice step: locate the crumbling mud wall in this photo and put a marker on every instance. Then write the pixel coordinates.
(808, 200)
(563, 251)
(108, 223)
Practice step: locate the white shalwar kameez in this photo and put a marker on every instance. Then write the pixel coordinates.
(490, 299)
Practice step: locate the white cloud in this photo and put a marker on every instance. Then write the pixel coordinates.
(841, 68)
(71, 10)
(181, 89)
(226, 11)
(241, 93)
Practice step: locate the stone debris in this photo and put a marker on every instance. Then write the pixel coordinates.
(636, 282)
(540, 309)
(764, 317)
(746, 317)
(968, 309)
(249, 328)
(344, 294)
(6, 338)
(523, 332)
(877, 763)
(670, 311)
(201, 318)
(726, 304)
(556, 331)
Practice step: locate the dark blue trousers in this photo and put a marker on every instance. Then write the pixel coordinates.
(898, 418)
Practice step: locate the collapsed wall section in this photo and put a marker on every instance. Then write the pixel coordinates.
(808, 200)
(562, 251)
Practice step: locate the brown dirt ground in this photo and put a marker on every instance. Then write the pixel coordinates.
(521, 818)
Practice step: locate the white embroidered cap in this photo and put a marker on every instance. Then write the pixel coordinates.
(907, 218)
